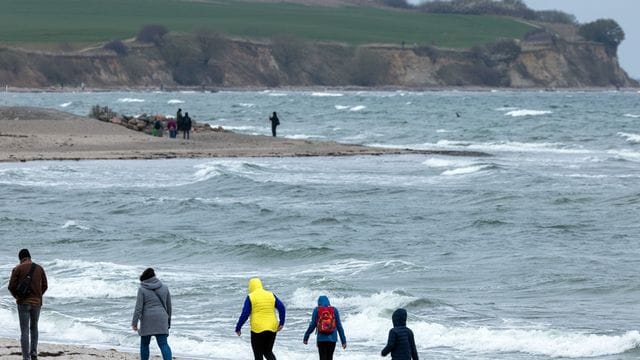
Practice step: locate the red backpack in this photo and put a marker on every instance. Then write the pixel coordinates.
(326, 322)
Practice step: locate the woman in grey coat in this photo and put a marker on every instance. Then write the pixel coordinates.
(153, 311)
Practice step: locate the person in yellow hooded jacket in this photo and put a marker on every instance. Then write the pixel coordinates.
(260, 305)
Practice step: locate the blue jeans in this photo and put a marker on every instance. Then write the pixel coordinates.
(28, 315)
(162, 344)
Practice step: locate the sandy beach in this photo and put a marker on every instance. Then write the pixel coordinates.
(10, 350)
(28, 134)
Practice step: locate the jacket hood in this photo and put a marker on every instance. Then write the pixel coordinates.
(323, 301)
(399, 317)
(151, 283)
(254, 284)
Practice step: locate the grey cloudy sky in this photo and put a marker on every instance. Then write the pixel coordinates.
(625, 12)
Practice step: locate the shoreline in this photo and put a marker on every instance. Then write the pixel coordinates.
(10, 350)
(32, 134)
(169, 89)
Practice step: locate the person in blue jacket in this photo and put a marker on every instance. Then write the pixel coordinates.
(400, 344)
(326, 341)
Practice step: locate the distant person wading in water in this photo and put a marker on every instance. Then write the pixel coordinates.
(274, 123)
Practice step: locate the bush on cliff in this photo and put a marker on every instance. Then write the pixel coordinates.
(606, 31)
(117, 46)
(152, 33)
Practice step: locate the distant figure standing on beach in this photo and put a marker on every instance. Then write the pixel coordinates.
(153, 311)
(172, 126)
(274, 123)
(186, 126)
(261, 306)
(27, 285)
(179, 120)
(326, 321)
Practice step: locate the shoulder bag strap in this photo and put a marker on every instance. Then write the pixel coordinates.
(161, 302)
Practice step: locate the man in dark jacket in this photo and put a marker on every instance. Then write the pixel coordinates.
(274, 123)
(401, 344)
(28, 305)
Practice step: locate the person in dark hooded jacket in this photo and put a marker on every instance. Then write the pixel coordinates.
(401, 344)
(326, 342)
(153, 311)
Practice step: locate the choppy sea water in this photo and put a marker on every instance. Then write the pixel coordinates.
(531, 253)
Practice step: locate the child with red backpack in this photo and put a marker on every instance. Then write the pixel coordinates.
(326, 320)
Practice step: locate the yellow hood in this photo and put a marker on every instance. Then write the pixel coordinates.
(254, 284)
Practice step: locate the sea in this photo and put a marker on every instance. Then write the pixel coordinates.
(529, 252)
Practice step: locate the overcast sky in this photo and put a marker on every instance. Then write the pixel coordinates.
(625, 12)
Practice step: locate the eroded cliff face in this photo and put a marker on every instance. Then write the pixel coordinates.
(248, 64)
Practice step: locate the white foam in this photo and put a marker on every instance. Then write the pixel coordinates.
(175, 101)
(74, 224)
(66, 104)
(441, 131)
(553, 343)
(525, 112)
(514, 146)
(89, 287)
(625, 154)
(368, 322)
(358, 108)
(244, 128)
(130, 100)
(632, 138)
(464, 170)
(304, 137)
(246, 105)
(326, 94)
(341, 107)
(440, 162)
(635, 116)
(506, 108)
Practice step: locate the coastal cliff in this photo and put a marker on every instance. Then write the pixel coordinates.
(551, 63)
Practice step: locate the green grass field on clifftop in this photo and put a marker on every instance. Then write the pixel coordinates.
(89, 21)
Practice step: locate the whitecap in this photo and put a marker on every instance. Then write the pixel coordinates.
(625, 154)
(464, 170)
(440, 163)
(175, 101)
(74, 224)
(506, 108)
(303, 137)
(545, 342)
(130, 100)
(635, 116)
(525, 112)
(632, 138)
(358, 108)
(441, 131)
(326, 94)
(66, 104)
(341, 107)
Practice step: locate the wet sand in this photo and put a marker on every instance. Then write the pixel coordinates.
(10, 350)
(28, 134)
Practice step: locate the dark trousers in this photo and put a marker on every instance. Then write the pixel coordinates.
(326, 349)
(262, 345)
(273, 129)
(185, 134)
(28, 315)
(162, 344)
